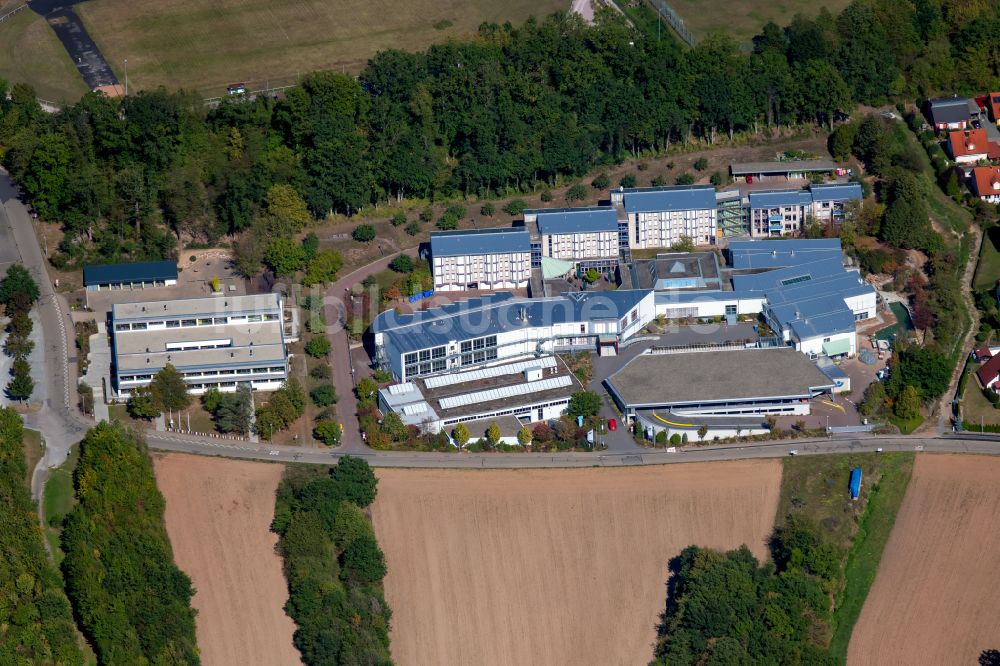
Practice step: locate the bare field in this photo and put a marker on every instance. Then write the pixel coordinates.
(553, 566)
(218, 517)
(934, 598)
(204, 44)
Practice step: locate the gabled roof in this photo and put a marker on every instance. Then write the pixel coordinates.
(146, 271)
(836, 192)
(989, 371)
(775, 198)
(479, 241)
(968, 142)
(680, 197)
(993, 103)
(949, 110)
(986, 181)
(595, 219)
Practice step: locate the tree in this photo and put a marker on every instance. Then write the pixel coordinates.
(576, 192)
(211, 399)
(684, 179)
(628, 180)
(20, 324)
(20, 387)
(16, 346)
(701, 164)
(20, 366)
(235, 411)
(327, 432)
(493, 434)
(285, 256)
(461, 435)
(367, 390)
(487, 209)
(683, 244)
(584, 403)
(323, 395)
(393, 426)
(541, 433)
(925, 369)
(524, 436)
(702, 431)
(601, 181)
(363, 560)
(515, 207)
(874, 400)
(311, 245)
(142, 404)
(363, 233)
(18, 281)
(402, 264)
(398, 219)
(591, 275)
(170, 389)
(356, 479)
(908, 404)
(717, 179)
(318, 347)
(324, 267)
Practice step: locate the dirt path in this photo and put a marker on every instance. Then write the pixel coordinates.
(934, 599)
(553, 567)
(218, 517)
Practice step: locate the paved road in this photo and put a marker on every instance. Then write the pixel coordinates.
(78, 43)
(58, 420)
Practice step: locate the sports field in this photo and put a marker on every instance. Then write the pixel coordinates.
(31, 53)
(204, 44)
(934, 599)
(218, 517)
(553, 566)
(744, 18)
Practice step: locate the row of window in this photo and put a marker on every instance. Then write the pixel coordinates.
(210, 373)
(200, 321)
(521, 412)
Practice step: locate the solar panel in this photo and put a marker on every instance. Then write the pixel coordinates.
(485, 373)
(505, 392)
(415, 408)
(400, 389)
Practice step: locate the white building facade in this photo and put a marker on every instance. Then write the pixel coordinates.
(485, 259)
(588, 237)
(659, 217)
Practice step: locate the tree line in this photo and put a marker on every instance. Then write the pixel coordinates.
(133, 603)
(333, 563)
(36, 622)
(18, 293)
(506, 111)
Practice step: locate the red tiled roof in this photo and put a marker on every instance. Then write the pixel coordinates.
(986, 180)
(993, 104)
(989, 371)
(983, 352)
(968, 142)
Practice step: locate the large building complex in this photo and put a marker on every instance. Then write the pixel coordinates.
(658, 217)
(481, 259)
(785, 212)
(218, 342)
(588, 237)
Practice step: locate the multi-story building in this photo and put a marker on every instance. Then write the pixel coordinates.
(778, 213)
(659, 216)
(218, 342)
(481, 259)
(588, 237)
(828, 201)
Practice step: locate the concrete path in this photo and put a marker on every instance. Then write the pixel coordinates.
(99, 371)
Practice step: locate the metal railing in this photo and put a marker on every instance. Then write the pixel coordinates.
(17, 9)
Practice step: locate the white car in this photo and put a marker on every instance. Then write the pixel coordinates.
(793, 452)
(274, 452)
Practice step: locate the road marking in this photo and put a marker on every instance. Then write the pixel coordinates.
(683, 425)
(834, 405)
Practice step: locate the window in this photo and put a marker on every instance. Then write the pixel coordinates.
(173, 323)
(270, 317)
(221, 320)
(253, 318)
(122, 327)
(730, 309)
(205, 322)
(188, 322)
(139, 326)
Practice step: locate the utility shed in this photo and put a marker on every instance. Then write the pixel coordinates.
(141, 275)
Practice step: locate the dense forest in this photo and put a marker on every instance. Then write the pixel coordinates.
(333, 564)
(36, 623)
(131, 599)
(511, 108)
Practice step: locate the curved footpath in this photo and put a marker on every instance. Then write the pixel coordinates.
(62, 426)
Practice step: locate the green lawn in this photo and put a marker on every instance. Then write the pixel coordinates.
(906, 426)
(975, 407)
(988, 270)
(33, 452)
(57, 501)
(816, 487)
(744, 18)
(31, 53)
(201, 45)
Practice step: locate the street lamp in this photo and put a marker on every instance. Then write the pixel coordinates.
(126, 77)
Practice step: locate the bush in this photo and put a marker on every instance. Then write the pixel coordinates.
(323, 395)
(399, 219)
(675, 439)
(628, 180)
(321, 371)
(327, 432)
(515, 207)
(318, 347)
(413, 228)
(717, 179)
(402, 264)
(701, 164)
(576, 193)
(658, 181)
(685, 179)
(487, 209)
(546, 196)
(363, 233)
(448, 222)
(456, 210)
(427, 214)
(601, 182)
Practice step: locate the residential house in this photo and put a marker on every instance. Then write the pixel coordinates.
(485, 259)
(993, 106)
(949, 113)
(971, 146)
(989, 373)
(657, 217)
(985, 183)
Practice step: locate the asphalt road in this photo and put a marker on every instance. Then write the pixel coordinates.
(78, 43)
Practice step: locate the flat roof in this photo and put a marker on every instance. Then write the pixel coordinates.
(595, 219)
(211, 305)
(145, 271)
(751, 168)
(653, 380)
(669, 198)
(480, 241)
(251, 344)
(781, 253)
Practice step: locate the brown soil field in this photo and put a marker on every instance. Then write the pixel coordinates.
(934, 598)
(553, 566)
(218, 517)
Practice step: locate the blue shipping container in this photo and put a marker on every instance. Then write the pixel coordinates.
(855, 483)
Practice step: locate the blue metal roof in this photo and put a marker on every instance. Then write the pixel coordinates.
(809, 272)
(777, 198)
(596, 219)
(836, 192)
(476, 318)
(146, 271)
(479, 241)
(682, 197)
(779, 253)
